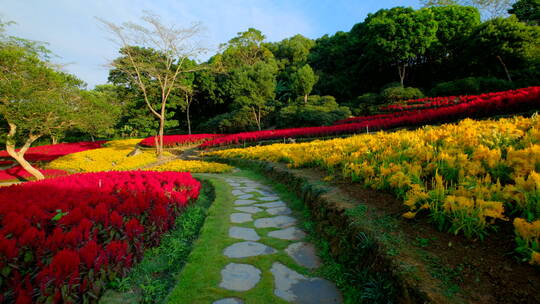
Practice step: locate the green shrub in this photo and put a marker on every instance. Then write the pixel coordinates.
(471, 86)
(230, 122)
(318, 111)
(394, 84)
(368, 98)
(397, 94)
(365, 104)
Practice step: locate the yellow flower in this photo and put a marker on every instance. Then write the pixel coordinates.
(112, 157)
(535, 258)
(409, 215)
(526, 230)
(192, 166)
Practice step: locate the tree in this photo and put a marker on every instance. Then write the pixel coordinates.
(35, 99)
(290, 54)
(188, 88)
(136, 119)
(101, 110)
(338, 60)
(246, 76)
(527, 11)
(505, 40)
(245, 49)
(255, 87)
(399, 35)
(303, 81)
(173, 47)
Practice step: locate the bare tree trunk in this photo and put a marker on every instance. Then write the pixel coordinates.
(401, 71)
(160, 139)
(92, 137)
(305, 98)
(161, 125)
(54, 140)
(257, 118)
(505, 69)
(19, 156)
(188, 103)
(188, 121)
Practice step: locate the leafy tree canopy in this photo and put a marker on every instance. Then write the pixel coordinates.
(527, 11)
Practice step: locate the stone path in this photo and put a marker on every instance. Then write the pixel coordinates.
(254, 200)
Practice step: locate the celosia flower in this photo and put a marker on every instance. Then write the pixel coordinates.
(89, 253)
(65, 265)
(134, 228)
(90, 206)
(116, 220)
(8, 248)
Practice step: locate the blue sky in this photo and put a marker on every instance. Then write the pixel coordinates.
(81, 43)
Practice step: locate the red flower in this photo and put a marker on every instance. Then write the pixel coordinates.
(64, 267)
(15, 224)
(89, 253)
(134, 228)
(8, 248)
(91, 204)
(31, 236)
(116, 220)
(117, 252)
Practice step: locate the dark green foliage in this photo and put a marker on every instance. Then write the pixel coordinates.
(230, 122)
(501, 45)
(471, 86)
(397, 94)
(365, 104)
(399, 36)
(318, 111)
(527, 11)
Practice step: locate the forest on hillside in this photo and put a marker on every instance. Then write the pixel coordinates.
(393, 55)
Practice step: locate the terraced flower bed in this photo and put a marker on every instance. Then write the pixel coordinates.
(469, 178)
(494, 104)
(63, 239)
(179, 140)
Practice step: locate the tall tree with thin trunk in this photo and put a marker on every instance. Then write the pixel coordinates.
(173, 44)
(303, 81)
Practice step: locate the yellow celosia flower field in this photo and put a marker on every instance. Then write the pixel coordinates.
(112, 157)
(192, 166)
(466, 177)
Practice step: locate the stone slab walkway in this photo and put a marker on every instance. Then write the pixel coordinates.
(258, 207)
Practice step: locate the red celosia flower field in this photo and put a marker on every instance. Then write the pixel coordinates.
(18, 172)
(51, 152)
(521, 97)
(502, 102)
(6, 162)
(179, 140)
(62, 239)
